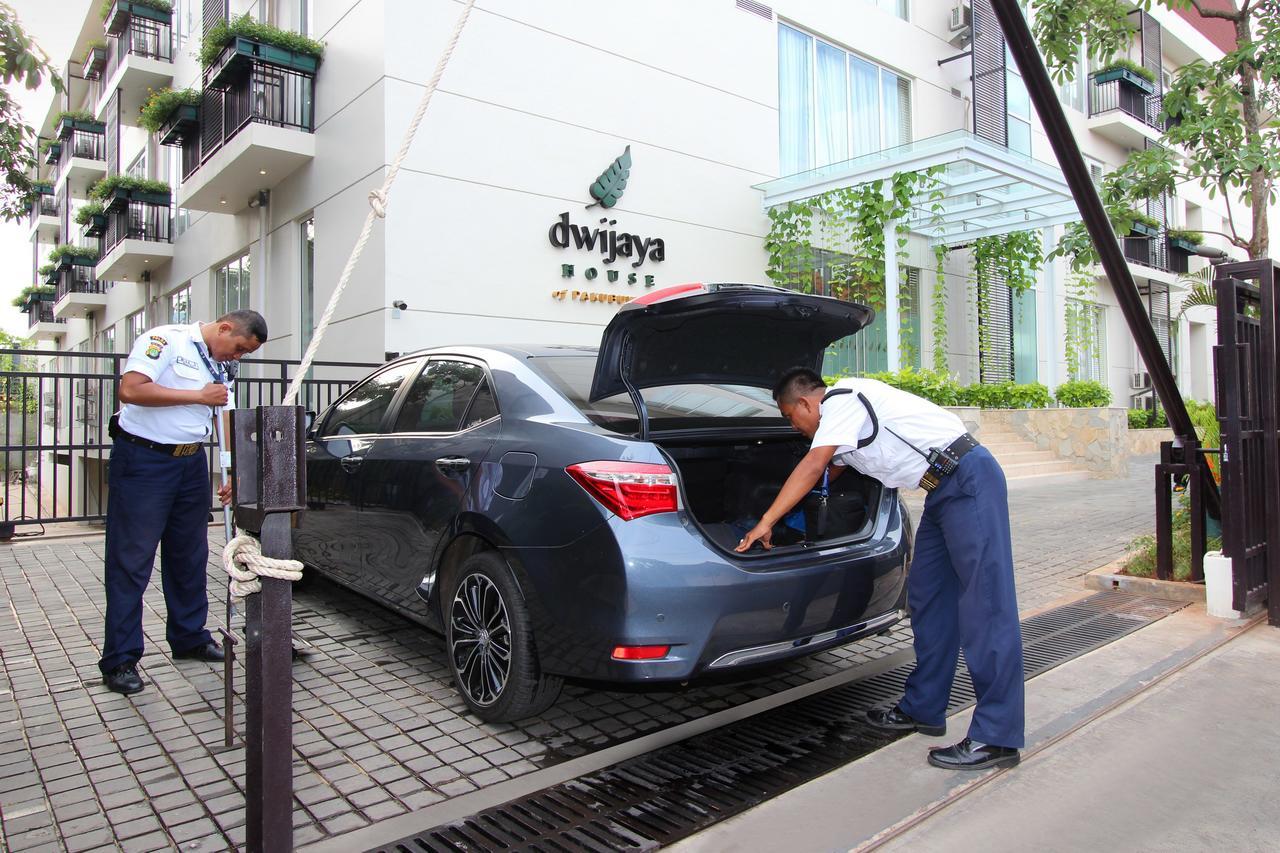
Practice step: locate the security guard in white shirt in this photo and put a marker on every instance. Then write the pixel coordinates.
(159, 485)
(960, 588)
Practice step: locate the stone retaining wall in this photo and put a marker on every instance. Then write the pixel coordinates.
(1094, 438)
(1146, 441)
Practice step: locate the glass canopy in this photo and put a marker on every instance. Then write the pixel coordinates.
(987, 189)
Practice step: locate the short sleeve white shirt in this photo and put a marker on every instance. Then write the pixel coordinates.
(170, 356)
(889, 458)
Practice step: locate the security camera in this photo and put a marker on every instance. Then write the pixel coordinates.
(400, 304)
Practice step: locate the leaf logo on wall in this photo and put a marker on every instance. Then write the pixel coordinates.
(612, 181)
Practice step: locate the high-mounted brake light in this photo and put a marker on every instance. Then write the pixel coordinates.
(628, 489)
(639, 652)
(669, 293)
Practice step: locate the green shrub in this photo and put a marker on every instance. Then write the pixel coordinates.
(105, 188)
(162, 102)
(30, 290)
(1130, 66)
(46, 144)
(68, 251)
(1083, 394)
(73, 115)
(1190, 236)
(1142, 560)
(1142, 419)
(46, 270)
(221, 34)
(935, 386)
(1005, 395)
(162, 5)
(85, 213)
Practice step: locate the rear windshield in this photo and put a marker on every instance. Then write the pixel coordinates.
(670, 406)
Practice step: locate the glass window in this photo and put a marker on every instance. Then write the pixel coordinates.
(173, 168)
(894, 7)
(483, 407)
(136, 323)
(231, 285)
(360, 412)
(108, 340)
(439, 397)
(138, 168)
(180, 305)
(1088, 323)
(833, 105)
(307, 284)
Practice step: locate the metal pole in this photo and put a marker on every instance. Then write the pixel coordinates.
(228, 638)
(1044, 96)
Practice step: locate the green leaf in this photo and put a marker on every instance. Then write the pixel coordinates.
(608, 188)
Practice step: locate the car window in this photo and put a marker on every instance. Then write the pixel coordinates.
(439, 397)
(483, 406)
(361, 411)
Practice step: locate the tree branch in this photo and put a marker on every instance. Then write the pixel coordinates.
(1231, 220)
(1205, 12)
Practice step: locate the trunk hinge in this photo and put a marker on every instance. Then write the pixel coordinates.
(642, 411)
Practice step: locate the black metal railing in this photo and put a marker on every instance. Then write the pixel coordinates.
(1148, 251)
(55, 441)
(1116, 95)
(41, 312)
(142, 37)
(77, 279)
(267, 94)
(85, 144)
(1249, 415)
(44, 205)
(137, 220)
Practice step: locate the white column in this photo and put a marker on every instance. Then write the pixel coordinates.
(1049, 235)
(892, 323)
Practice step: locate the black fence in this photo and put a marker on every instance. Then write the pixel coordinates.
(57, 406)
(1249, 415)
(137, 220)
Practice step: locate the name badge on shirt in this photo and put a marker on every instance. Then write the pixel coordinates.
(186, 362)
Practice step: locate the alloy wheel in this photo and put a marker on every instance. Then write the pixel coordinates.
(480, 639)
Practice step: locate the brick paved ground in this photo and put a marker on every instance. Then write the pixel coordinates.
(378, 729)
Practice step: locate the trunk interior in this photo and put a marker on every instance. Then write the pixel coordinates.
(728, 484)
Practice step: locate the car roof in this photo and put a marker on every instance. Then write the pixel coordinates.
(514, 350)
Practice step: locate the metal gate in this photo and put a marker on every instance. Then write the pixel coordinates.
(56, 407)
(1249, 413)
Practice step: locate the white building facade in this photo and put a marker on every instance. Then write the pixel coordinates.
(491, 234)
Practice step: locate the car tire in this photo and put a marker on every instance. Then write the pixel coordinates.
(489, 640)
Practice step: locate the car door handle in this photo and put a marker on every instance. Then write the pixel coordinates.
(351, 464)
(453, 464)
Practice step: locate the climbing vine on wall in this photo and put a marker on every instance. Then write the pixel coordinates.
(1017, 257)
(940, 309)
(1078, 338)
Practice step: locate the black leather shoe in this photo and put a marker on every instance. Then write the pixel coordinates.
(123, 679)
(971, 755)
(210, 651)
(896, 720)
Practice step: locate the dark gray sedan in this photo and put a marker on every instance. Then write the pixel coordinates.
(567, 512)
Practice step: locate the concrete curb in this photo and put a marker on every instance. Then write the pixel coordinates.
(1108, 578)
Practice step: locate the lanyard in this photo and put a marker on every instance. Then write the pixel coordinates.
(216, 369)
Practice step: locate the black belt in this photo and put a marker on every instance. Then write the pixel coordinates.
(116, 431)
(955, 450)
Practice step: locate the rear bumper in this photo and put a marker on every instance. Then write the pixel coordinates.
(659, 581)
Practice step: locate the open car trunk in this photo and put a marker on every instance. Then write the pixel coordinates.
(728, 483)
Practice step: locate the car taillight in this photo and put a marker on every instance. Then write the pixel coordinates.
(628, 489)
(639, 652)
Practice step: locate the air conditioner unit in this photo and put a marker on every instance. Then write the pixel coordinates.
(1140, 380)
(961, 17)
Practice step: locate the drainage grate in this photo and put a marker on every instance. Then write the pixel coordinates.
(671, 793)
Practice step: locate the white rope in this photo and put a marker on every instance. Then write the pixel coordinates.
(378, 208)
(245, 551)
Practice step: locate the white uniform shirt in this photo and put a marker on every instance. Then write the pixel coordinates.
(889, 459)
(170, 356)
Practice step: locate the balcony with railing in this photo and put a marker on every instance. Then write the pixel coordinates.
(43, 217)
(78, 291)
(137, 237)
(256, 126)
(139, 57)
(41, 322)
(1124, 108)
(83, 157)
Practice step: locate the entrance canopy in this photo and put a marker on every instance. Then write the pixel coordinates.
(986, 188)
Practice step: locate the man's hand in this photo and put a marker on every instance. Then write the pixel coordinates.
(214, 394)
(224, 493)
(760, 533)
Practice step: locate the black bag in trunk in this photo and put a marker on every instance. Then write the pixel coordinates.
(830, 515)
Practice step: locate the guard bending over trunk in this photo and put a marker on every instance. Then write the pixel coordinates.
(960, 588)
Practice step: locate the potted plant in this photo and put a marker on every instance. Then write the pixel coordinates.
(117, 190)
(68, 255)
(93, 217)
(1136, 223)
(1128, 73)
(95, 59)
(49, 274)
(69, 120)
(116, 14)
(33, 294)
(230, 47)
(51, 149)
(1183, 240)
(172, 114)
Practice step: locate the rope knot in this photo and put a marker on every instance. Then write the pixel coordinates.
(242, 559)
(378, 201)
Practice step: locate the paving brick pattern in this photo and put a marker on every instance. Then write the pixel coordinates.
(378, 728)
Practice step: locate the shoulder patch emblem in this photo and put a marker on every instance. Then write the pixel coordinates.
(155, 346)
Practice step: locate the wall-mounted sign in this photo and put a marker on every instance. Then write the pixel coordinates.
(602, 238)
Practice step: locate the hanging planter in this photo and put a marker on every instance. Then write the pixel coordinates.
(1128, 73)
(171, 114)
(183, 123)
(52, 152)
(1185, 241)
(117, 15)
(230, 48)
(116, 191)
(94, 62)
(67, 125)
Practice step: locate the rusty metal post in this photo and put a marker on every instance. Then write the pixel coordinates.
(268, 485)
(1195, 491)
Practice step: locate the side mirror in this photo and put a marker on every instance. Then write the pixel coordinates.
(309, 423)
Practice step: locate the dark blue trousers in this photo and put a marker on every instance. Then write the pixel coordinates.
(156, 500)
(961, 595)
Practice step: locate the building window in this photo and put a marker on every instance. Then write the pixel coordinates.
(307, 284)
(1087, 324)
(173, 168)
(834, 105)
(138, 168)
(180, 306)
(1018, 106)
(107, 340)
(231, 285)
(894, 7)
(136, 324)
(1072, 92)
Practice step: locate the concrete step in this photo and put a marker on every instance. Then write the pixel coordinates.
(1035, 479)
(1014, 457)
(1032, 469)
